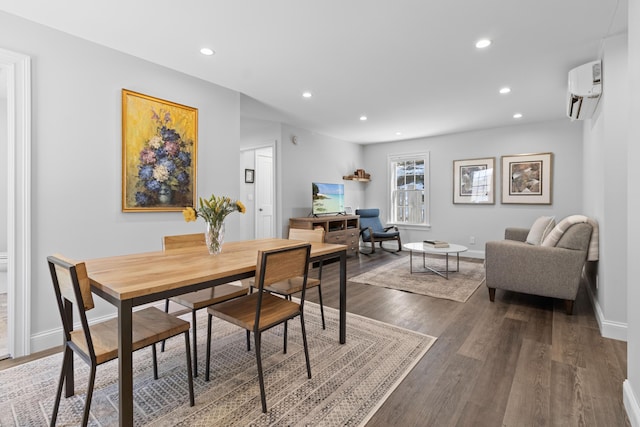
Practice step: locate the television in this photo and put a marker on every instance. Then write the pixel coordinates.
(327, 198)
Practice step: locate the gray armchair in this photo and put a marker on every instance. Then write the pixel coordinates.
(550, 271)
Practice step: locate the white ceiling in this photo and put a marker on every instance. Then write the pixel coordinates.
(409, 65)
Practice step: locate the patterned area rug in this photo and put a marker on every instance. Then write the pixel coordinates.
(396, 275)
(349, 382)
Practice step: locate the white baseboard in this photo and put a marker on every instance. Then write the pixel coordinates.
(630, 404)
(608, 328)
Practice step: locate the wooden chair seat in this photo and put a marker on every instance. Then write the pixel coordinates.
(207, 297)
(290, 286)
(149, 326)
(242, 312)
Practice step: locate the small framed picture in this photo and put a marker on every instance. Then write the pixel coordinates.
(473, 181)
(248, 176)
(526, 178)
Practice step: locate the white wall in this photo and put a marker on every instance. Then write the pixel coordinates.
(76, 154)
(316, 158)
(606, 180)
(458, 222)
(632, 384)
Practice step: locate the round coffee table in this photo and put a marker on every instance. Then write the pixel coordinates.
(420, 247)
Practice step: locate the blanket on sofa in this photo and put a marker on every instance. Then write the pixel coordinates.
(554, 236)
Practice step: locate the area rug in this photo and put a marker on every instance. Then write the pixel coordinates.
(349, 382)
(396, 275)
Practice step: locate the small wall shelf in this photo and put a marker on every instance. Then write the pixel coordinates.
(355, 178)
(358, 175)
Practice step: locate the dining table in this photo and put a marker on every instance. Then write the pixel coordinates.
(132, 280)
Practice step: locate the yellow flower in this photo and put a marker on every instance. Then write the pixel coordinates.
(189, 214)
(241, 207)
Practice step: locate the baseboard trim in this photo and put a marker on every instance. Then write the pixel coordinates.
(630, 404)
(608, 328)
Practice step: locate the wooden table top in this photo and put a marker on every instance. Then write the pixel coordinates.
(130, 276)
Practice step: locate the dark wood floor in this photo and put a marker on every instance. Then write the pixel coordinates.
(516, 362)
(519, 361)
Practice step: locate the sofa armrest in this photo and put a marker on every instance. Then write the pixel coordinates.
(547, 271)
(516, 233)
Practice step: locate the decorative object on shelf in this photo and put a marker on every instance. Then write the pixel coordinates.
(526, 178)
(358, 175)
(474, 181)
(248, 176)
(159, 146)
(214, 211)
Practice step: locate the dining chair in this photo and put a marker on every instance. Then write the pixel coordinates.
(260, 311)
(194, 301)
(98, 343)
(287, 288)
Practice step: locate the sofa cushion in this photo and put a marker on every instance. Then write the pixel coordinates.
(539, 230)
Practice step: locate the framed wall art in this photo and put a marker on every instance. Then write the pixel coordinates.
(474, 181)
(526, 178)
(248, 176)
(159, 149)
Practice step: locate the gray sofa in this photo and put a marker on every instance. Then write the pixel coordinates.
(550, 271)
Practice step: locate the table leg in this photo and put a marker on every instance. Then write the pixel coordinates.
(446, 266)
(343, 297)
(125, 364)
(410, 261)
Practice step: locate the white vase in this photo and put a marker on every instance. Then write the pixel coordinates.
(214, 236)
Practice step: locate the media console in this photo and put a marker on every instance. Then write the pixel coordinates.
(340, 229)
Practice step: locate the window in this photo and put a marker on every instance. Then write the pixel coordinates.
(409, 189)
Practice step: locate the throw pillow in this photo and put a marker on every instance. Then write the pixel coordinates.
(539, 230)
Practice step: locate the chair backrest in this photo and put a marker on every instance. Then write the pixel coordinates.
(280, 264)
(71, 286)
(370, 218)
(315, 235)
(183, 241)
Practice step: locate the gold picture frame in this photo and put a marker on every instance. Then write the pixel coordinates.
(474, 181)
(527, 179)
(159, 154)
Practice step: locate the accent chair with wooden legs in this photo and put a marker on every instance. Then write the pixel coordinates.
(98, 343)
(260, 311)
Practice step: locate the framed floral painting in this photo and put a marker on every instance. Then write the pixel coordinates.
(526, 178)
(159, 147)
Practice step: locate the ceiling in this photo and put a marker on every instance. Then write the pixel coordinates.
(410, 66)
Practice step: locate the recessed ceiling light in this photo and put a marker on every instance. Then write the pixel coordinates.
(481, 44)
(399, 133)
(307, 94)
(517, 116)
(363, 118)
(505, 90)
(207, 51)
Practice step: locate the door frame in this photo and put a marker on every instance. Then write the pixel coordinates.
(18, 68)
(276, 183)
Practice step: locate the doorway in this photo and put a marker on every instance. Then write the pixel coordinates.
(260, 195)
(4, 224)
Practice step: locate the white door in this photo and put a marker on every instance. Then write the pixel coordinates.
(265, 194)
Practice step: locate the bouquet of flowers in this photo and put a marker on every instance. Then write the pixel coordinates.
(165, 162)
(214, 210)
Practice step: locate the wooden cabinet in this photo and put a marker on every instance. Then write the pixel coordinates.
(340, 229)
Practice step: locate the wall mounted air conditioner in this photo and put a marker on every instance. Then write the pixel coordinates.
(584, 90)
